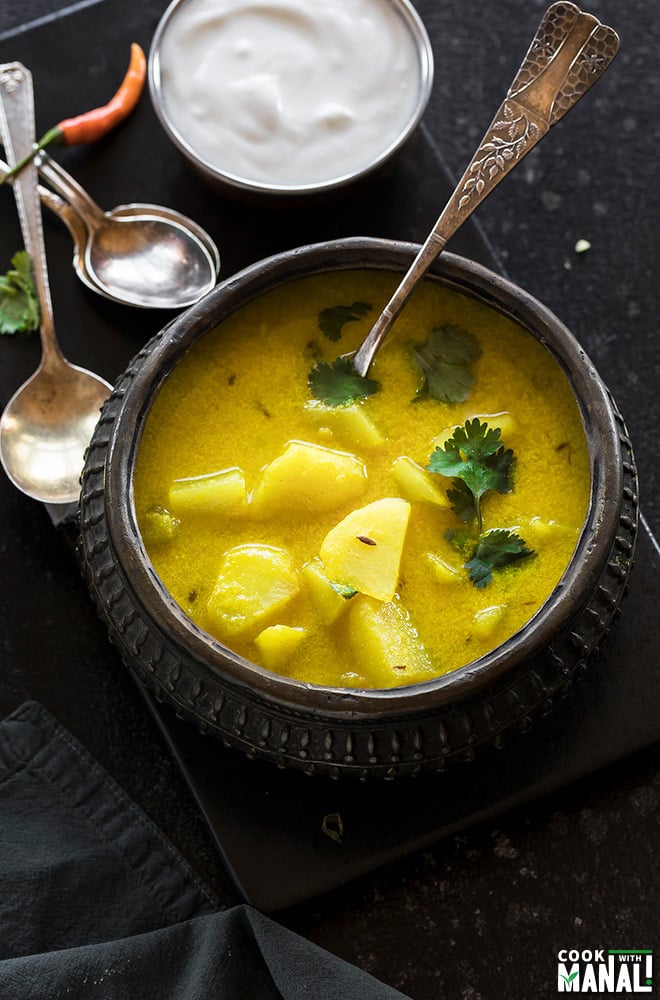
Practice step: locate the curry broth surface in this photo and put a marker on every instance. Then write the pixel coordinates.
(237, 398)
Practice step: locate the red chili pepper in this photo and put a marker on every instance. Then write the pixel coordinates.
(94, 124)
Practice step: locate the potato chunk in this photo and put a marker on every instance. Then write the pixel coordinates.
(278, 643)
(364, 550)
(216, 493)
(159, 526)
(539, 531)
(306, 479)
(442, 571)
(416, 483)
(352, 425)
(329, 602)
(385, 644)
(486, 621)
(254, 583)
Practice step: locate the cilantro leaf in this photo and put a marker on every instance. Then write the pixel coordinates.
(445, 362)
(332, 320)
(462, 501)
(339, 384)
(495, 549)
(476, 459)
(19, 308)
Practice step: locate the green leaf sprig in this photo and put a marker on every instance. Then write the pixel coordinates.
(475, 457)
(19, 307)
(333, 319)
(338, 384)
(446, 361)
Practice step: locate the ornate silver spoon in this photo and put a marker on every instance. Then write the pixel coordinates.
(48, 422)
(570, 51)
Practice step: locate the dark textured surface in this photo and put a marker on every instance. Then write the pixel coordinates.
(482, 915)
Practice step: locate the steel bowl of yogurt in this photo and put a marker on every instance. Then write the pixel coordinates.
(289, 96)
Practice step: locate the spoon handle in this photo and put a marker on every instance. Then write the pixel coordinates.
(569, 52)
(17, 128)
(57, 205)
(69, 189)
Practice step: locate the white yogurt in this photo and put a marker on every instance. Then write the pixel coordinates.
(289, 92)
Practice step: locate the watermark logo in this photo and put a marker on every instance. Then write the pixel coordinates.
(617, 971)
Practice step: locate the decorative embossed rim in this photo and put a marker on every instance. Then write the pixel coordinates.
(571, 594)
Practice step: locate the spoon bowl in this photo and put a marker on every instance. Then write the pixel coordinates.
(47, 425)
(45, 430)
(136, 252)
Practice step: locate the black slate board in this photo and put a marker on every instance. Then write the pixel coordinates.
(268, 824)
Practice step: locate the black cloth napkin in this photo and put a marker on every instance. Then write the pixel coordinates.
(96, 902)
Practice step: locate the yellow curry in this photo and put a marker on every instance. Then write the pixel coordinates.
(314, 539)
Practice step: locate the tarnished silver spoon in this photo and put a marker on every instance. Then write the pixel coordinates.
(142, 255)
(80, 235)
(47, 424)
(570, 51)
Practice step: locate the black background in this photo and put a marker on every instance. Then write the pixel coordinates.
(482, 914)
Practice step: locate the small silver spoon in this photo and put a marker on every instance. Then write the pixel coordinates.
(570, 51)
(47, 424)
(79, 233)
(139, 254)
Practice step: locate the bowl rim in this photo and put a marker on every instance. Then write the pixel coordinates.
(413, 21)
(219, 663)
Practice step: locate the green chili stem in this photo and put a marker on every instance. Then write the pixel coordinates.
(52, 135)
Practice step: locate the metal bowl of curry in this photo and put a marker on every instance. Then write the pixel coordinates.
(365, 585)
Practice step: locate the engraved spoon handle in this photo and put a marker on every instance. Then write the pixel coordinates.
(569, 52)
(68, 187)
(17, 129)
